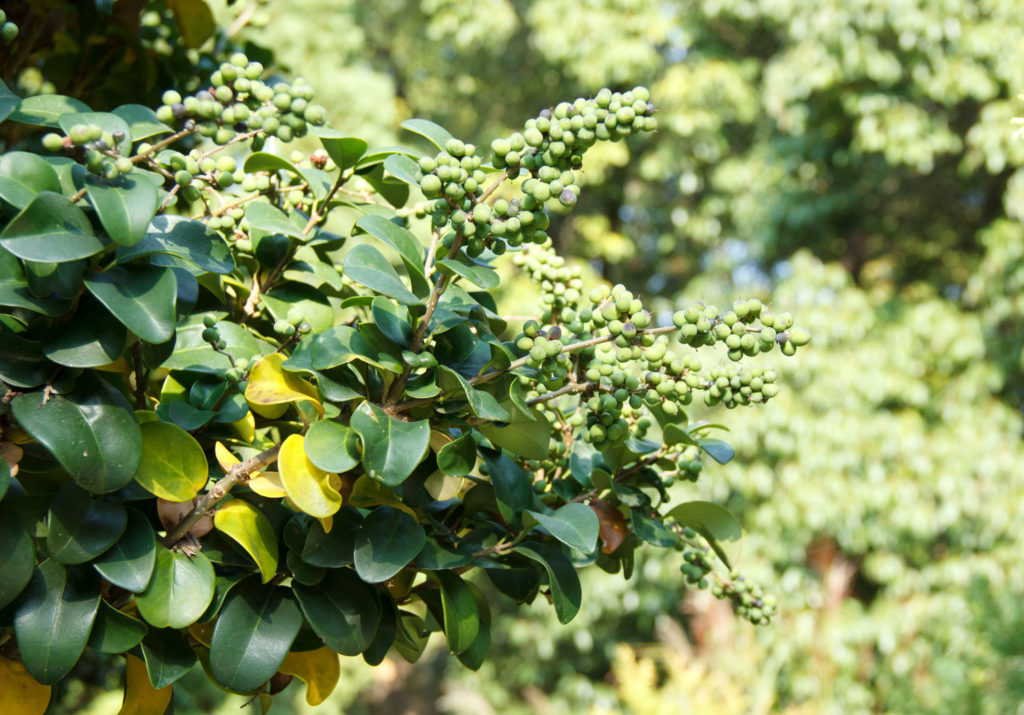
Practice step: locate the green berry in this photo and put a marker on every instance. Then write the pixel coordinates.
(53, 142)
(799, 336)
(209, 321)
(182, 178)
(9, 31)
(171, 97)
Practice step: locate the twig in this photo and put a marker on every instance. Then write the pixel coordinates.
(236, 474)
(140, 382)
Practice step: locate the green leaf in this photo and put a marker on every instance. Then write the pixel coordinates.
(392, 320)
(387, 541)
(473, 657)
(562, 578)
(342, 610)
(21, 361)
(437, 134)
(15, 292)
(50, 230)
(389, 232)
(252, 530)
(23, 175)
(719, 451)
(179, 591)
(312, 303)
(575, 525)
(141, 297)
(182, 238)
(651, 529)
(253, 634)
(527, 434)
(173, 465)
(80, 528)
(392, 448)
(715, 523)
(44, 110)
(334, 549)
(194, 19)
(8, 101)
(90, 340)
(513, 486)
(332, 446)
(461, 616)
(53, 619)
(129, 563)
(125, 206)
(387, 629)
(674, 434)
(341, 345)
(483, 276)
(106, 121)
(403, 168)
(367, 266)
(5, 479)
(344, 151)
(264, 217)
(483, 404)
(434, 557)
(167, 656)
(115, 632)
(142, 121)
(17, 557)
(264, 161)
(458, 457)
(98, 444)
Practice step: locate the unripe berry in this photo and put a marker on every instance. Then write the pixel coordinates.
(209, 321)
(53, 142)
(182, 178)
(799, 336)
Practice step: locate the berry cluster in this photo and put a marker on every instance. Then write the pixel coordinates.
(92, 146)
(705, 325)
(8, 30)
(239, 101)
(748, 600)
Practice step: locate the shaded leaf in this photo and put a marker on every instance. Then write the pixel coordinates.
(129, 563)
(575, 525)
(50, 229)
(342, 610)
(715, 523)
(141, 297)
(388, 539)
(80, 528)
(392, 448)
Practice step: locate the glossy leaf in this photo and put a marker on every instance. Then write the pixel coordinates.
(173, 465)
(334, 549)
(142, 121)
(481, 403)
(437, 134)
(23, 175)
(129, 563)
(50, 230)
(392, 320)
(473, 657)
(365, 265)
(483, 276)
(575, 525)
(98, 444)
(389, 232)
(179, 591)
(344, 151)
(319, 669)
(651, 529)
(17, 557)
(140, 697)
(115, 632)
(264, 217)
(342, 610)
(194, 354)
(125, 206)
(387, 541)
(332, 446)
(403, 168)
(265, 161)
(252, 530)
(9, 101)
(255, 629)
(312, 489)
(53, 619)
(512, 484)
(44, 110)
(15, 292)
(195, 20)
(527, 434)
(141, 297)
(715, 523)
(461, 615)
(392, 448)
(80, 528)
(562, 578)
(270, 384)
(167, 656)
(458, 457)
(92, 339)
(718, 450)
(179, 237)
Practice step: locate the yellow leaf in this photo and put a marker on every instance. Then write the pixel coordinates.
(245, 427)
(327, 523)
(140, 697)
(269, 384)
(20, 694)
(173, 465)
(225, 459)
(442, 487)
(267, 484)
(439, 440)
(252, 530)
(318, 669)
(120, 365)
(308, 486)
(369, 492)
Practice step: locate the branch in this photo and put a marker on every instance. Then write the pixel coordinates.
(237, 474)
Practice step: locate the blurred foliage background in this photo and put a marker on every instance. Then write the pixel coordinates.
(853, 159)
